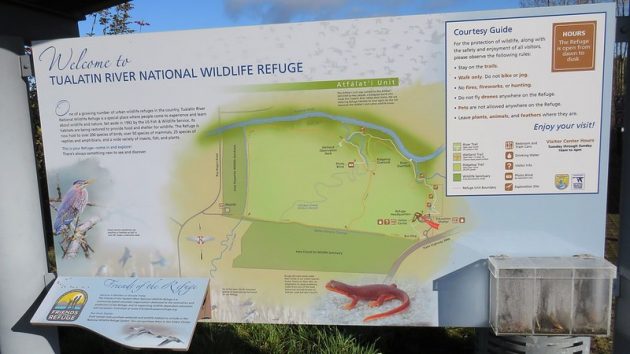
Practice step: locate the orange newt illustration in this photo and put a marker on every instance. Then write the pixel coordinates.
(376, 294)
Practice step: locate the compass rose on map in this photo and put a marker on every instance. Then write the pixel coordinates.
(200, 240)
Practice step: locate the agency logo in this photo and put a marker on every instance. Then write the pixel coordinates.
(561, 181)
(577, 181)
(68, 306)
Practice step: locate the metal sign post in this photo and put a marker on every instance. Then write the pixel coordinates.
(22, 255)
(622, 321)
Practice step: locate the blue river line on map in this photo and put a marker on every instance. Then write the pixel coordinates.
(342, 119)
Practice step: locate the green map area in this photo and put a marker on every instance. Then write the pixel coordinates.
(327, 192)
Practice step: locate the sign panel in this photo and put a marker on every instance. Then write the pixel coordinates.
(135, 312)
(523, 105)
(302, 165)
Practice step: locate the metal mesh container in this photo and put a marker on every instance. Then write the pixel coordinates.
(550, 295)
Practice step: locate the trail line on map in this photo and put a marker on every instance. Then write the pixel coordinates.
(201, 212)
(226, 242)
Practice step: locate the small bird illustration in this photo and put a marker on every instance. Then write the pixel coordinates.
(72, 205)
(169, 339)
(102, 271)
(137, 331)
(125, 257)
(200, 240)
(159, 260)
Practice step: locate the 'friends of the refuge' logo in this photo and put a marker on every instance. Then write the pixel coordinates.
(68, 306)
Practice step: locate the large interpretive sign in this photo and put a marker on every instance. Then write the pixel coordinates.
(330, 172)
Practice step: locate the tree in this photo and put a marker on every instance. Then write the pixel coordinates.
(115, 20)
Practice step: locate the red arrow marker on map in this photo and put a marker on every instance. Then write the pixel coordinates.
(425, 219)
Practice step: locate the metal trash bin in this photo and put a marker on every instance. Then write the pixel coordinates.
(488, 343)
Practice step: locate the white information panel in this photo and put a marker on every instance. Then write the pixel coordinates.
(135, 312)
(524, 104)
(343, 172)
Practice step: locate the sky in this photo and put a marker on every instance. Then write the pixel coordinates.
(170, 15)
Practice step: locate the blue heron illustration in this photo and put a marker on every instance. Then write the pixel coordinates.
(72, 205)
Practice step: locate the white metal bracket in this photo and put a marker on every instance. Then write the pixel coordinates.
(49, 278)
(25, 65)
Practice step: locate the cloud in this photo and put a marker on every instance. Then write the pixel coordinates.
(279, 11)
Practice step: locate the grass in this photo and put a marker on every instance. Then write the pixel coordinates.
(266, 338)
